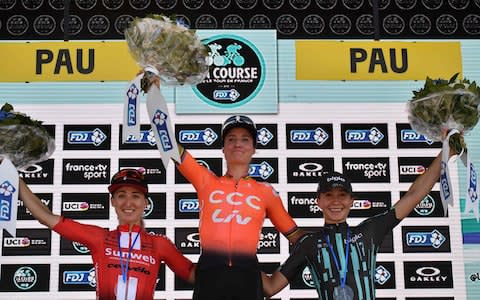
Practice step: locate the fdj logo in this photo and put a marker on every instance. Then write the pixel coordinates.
(95, 137)
(426, 239)
(236, 74)
(132, 95)
(316, 136)
(411, 136)
(160, 122)
(206, 136)
(80, 277)
(6, 194)
(262, 170)
(372, 136)
(188, 205)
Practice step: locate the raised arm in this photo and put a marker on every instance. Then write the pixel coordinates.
(274, 283)
(36, 207)
(419, 189)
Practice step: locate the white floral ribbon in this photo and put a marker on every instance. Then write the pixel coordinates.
(131, 112)
(446, 190)
(471, 200)
(8, 196)
(160, 121)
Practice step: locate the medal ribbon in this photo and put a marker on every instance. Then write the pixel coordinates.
(125, 269)
(343, 279)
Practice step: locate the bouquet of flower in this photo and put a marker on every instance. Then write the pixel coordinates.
(22, 140)
(173, 49)
(442, 105)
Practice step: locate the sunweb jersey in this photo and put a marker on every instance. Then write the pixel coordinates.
(109, 250)
(232, 214)
(313, 250)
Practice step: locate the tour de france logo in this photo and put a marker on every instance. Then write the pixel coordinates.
(236, 73)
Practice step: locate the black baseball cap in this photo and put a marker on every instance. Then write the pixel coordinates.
(129, 177)
(240, 121)
(334, 180)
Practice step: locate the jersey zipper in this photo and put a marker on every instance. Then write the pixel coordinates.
(230, 262)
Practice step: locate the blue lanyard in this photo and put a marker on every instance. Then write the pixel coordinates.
(343, 278)
(125, 270)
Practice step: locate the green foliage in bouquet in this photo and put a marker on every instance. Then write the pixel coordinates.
(174, 50)
(23, 140)
(443, 105)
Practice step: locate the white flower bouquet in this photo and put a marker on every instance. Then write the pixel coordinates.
(22, 140)
(443, 105)
(173, 49)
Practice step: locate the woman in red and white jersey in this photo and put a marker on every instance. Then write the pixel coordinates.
(126, 259)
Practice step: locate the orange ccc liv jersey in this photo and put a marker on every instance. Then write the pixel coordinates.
(147, 253)
(232, 214)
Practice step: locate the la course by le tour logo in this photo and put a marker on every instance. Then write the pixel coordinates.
(236, 74)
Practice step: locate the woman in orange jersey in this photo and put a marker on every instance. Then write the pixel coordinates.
(233, 208)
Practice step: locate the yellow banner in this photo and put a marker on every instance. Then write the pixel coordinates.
(66, 61)
(335, 60)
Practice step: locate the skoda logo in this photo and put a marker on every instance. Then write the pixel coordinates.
(166, 4)
(206, 22)
(122, 22)
(246, 4)
(365, 24)
(260, 22)
(236, 74)
(17, 25)
(25, 278)
(56, 4)
(313, 24)
(75, 25)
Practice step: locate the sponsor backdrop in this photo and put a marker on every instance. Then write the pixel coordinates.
(358, 127)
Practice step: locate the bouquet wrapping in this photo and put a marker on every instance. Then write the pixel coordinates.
(443, 105)
(22, 140)
(447, 110)
(172, 49)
